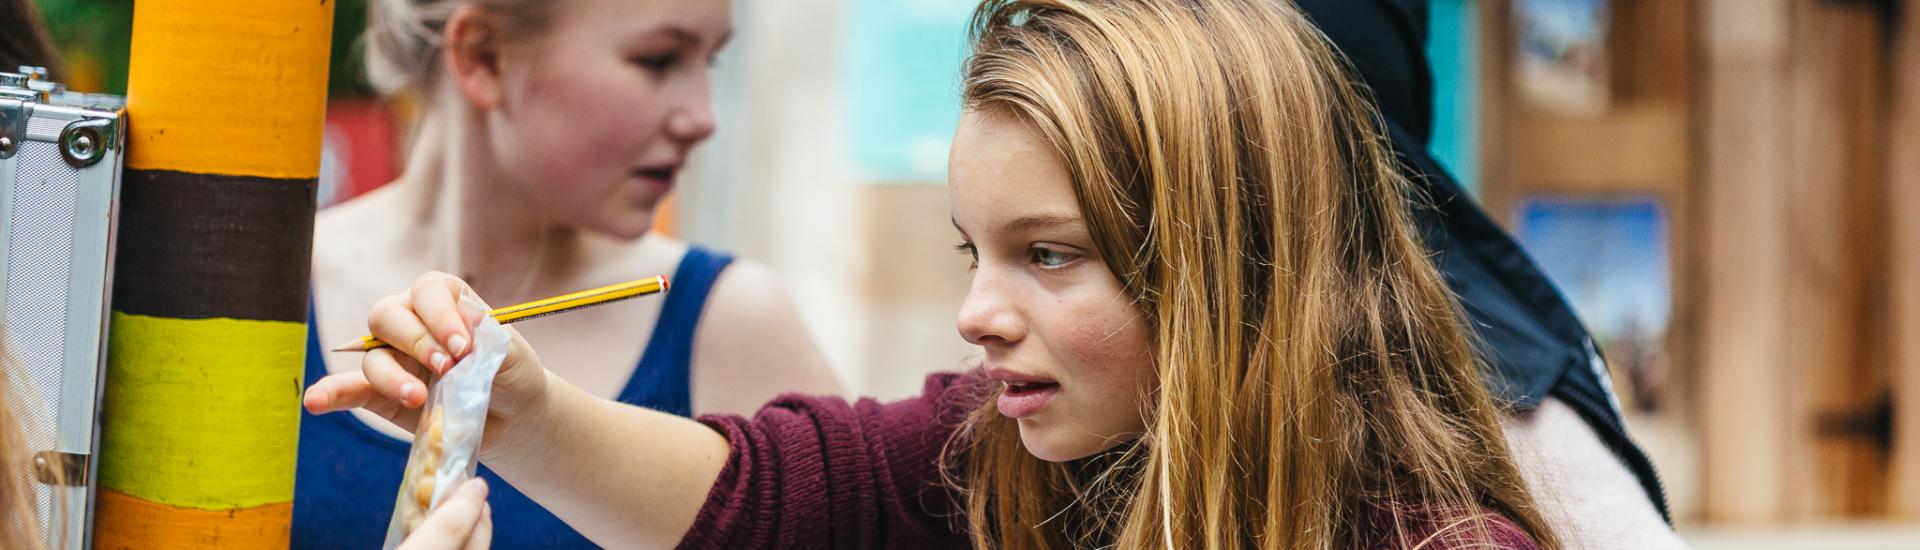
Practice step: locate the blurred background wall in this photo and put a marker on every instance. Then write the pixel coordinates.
(1725, 189)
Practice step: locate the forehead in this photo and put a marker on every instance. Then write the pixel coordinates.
(706, 20)
(1001, 168)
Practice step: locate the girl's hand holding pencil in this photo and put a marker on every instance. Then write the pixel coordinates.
(425, 331)
(550, 306)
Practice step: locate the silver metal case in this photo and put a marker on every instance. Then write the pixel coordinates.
(60, 161)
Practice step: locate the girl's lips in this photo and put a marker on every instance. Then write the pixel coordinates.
(662, 180)
(1024, 399)
(1009, 376)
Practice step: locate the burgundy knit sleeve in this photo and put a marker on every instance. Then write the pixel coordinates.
(1438, 530)
(1500, 534)
(812, 472)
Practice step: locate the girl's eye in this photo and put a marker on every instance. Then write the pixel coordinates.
(1050, 258)
(970, 251)
(656, 63)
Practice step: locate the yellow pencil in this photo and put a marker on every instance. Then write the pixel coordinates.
(550, 306)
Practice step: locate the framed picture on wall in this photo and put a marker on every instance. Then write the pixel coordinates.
(1560, 54)
(1610, 257)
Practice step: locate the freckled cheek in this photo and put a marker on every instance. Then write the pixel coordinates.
(1107, 352)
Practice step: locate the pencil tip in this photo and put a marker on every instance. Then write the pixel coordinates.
(351, 347)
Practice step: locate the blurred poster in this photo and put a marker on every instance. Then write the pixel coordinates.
(1560, 54)
(361, 150)
(902, 83)
(1610, 259)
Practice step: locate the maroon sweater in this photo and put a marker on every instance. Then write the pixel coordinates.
(811, 472)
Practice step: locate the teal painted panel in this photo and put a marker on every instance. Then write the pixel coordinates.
(901, 85)
(1453, 48)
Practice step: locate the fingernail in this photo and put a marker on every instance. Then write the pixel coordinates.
(406, 392)
(458, 343)
(440, 362)
(472, 309)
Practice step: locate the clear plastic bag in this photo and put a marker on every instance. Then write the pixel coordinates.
(447, 441)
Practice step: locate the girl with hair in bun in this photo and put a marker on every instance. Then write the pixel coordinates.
(547, 133)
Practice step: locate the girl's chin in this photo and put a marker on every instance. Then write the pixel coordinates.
(625, 227)
(1051, 448)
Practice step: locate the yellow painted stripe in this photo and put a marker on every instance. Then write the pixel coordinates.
(200, 104)
(126, 521)
(202, 413)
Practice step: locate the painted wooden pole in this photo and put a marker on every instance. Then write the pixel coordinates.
(226, 100)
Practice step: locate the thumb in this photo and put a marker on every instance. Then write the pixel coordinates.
(451, 524)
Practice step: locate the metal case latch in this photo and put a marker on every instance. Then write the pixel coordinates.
(60, 468)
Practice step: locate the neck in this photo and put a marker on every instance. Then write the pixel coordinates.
(468, 219)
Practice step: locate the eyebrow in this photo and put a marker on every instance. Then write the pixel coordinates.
(687, 37)
(1030, 223)
(1041, 221)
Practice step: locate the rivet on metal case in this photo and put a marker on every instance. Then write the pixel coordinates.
(14, 96)
(59, 468)
(83, 141)
(13, 125)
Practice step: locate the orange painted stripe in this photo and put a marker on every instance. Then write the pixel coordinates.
(233, 87)
(125, 521)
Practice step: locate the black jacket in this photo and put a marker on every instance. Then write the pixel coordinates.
(1535, 344)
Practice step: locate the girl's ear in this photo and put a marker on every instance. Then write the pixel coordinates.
(471, 54)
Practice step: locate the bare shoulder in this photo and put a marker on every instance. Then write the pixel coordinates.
(752, 345)
(746, 288)
(749, 303)
(352, 233)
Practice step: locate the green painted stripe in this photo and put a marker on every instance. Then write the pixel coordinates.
(202, 413)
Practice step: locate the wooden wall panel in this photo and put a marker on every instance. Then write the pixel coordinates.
(1835, 247)
(1903, 273)
(1744, 250)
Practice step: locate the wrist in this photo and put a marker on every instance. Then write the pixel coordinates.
(512, 436)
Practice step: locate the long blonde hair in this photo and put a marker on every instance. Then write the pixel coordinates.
(1316, 386)
(19, 518)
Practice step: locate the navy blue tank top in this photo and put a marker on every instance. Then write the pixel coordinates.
(349, 472)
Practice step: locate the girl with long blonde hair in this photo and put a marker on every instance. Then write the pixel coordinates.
(1206, 316)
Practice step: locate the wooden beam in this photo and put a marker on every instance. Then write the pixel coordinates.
(1744, 246)
(1639, 147)
(1835, 246)
(1903, 273)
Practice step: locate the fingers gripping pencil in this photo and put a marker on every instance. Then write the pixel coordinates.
(550, 306)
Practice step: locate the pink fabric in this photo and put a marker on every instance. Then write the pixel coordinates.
(1448, 531)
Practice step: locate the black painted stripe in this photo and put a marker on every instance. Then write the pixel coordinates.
(197, 246)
